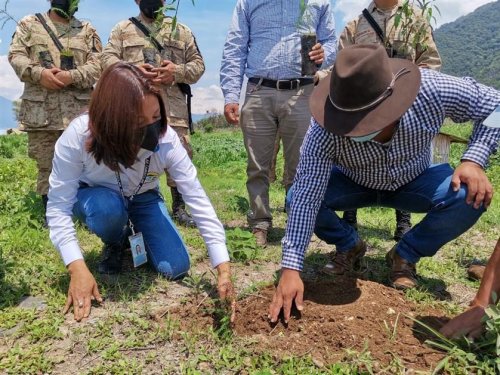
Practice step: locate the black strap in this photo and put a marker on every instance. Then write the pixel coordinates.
(147, 32)
(375, 26)
(144, 175)
(184, 87)
(50, 32)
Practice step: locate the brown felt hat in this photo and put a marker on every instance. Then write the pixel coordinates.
(365, 92)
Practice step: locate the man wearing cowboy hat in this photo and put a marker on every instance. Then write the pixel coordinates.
(373, 120)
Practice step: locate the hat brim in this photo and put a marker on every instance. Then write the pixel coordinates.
(372, 119)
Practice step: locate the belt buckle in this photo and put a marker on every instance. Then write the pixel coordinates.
(280, 81)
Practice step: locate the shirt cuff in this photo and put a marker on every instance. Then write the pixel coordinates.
(218, 254)
(76, 76)
(36, 73)
(231, 98)
(179, 73)
(70, 252)
(477, 153)
(292, 261)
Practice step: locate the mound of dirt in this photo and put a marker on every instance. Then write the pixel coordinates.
(343, 314)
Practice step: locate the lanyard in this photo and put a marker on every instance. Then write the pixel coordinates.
(131, 198)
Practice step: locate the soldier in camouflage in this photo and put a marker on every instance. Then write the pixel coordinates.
(52, 96)
(180, 62)
(359, 31)
(424, 54)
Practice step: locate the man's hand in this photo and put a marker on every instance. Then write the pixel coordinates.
(49, 80)
(289, 288)
(146, 70)
(82, 290)
(65, 77)
(231, 112)
(165, 74)
(225, 287)
(479, 189)
(466, 324)
(317, 54)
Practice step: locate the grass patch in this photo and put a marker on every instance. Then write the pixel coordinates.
(124, 337)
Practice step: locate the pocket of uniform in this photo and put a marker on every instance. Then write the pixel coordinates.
(174, 51)
(32, 112)
(132, 50)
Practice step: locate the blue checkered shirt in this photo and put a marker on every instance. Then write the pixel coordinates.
(264, 41)
(387, 167)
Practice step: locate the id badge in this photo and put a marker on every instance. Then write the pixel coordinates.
(138, 249)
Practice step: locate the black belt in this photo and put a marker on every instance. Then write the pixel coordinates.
(282, 84)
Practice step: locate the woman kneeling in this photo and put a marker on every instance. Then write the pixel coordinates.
(106, 172)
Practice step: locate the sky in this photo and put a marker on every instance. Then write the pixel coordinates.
(209, 21)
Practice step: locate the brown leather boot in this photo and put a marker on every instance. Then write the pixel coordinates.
(260, 237)
(476, 271)
(403, 274)
(346, 261)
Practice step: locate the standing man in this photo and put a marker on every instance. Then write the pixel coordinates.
(369, 145)
(52, 97)
(264, 43)
(177, 63)
(376, 26)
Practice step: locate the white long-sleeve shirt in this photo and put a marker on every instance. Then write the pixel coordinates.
(72, 165)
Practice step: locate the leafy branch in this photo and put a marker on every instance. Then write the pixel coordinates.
(5, 16)
(410, 24)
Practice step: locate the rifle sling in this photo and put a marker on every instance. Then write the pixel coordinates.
(50, 32)
(375, 26)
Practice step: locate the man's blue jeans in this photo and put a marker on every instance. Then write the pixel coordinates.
(106, 214)
(448, 215)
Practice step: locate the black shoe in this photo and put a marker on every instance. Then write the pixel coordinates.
(112, 258)
(403, 224)
(182, 217)
(179, 213)
(351, 218)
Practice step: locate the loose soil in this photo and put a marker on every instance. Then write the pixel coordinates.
(343, 314)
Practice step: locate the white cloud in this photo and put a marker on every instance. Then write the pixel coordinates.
(207, 99)
(450, 9)
(10, 86)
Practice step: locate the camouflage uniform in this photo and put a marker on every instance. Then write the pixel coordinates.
(44, 113)
(127, 42)
(359, 31)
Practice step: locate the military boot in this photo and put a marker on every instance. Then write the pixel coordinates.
(403, 224)
(45, 199)
(179, 213)
(112, 259)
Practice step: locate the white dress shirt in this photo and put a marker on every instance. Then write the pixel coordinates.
(72, 165)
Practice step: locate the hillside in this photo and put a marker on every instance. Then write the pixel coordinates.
(470, 46)
(6, 116)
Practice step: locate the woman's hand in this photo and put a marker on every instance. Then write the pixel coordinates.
(82, 290)
(225, 287)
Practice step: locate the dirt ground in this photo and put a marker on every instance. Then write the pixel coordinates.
(341, 314)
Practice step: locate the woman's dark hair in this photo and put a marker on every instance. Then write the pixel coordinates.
(114, 115)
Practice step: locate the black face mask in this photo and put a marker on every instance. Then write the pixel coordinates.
(151, 135)
(150, 7)
(62, 8)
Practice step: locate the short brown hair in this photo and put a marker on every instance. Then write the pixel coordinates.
(114, 112)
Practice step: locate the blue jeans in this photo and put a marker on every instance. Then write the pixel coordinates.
(106, 214)
(448, 215)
